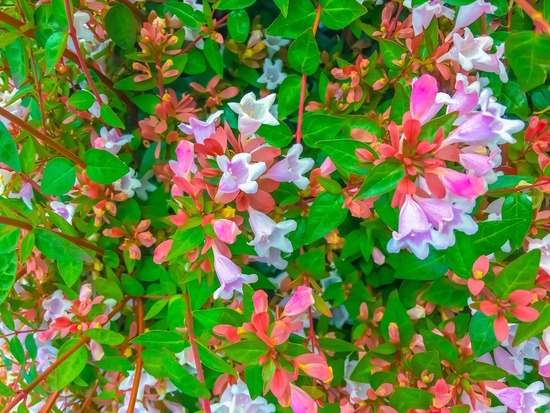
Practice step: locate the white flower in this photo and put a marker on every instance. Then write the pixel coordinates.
(238, 174)
(83, 32)
(269, 235)
(5, 178)
(273, 73)
(236, 399)
(423, 14)
(145, 380)
(56, 306)
(14, 107)
(111, 140)
(95, 110)
(64, 211)
(254, 113)
(201, 129)
(146, 186)
(127, 183)
(274, 43)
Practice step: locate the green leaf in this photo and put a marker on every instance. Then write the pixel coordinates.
(146, 103)
(399, 105)
(17, 350)
(493, 234)
(409, 267)
(444, 347)
(245, 352)
(27, 245)
(195, 63)
(8, 38)
(462, 255)
(526, 331)
(183, 380)
(102, 336)
(184, 241)
(337, 345)
(131, 286)
(342, 153)
(110, 117)
(337, 14)
(55, 46)
(185, 13)
(70, 271)
(27, 156)
(81, 100)
(283, 6)
(520, 274)
(119, 24)
(320, 128)
(115, 363)
(514, 99)
(517, 205)
(17, 62)
(303, 53)
(104, 167)
(326, 213)
(289, 96)
(8, 151)
(57, 248)
(278, 136)
(430, 129)
(396, 313)
(9, 238)
(528, 55)
(216, 316)
(482, 334)
(71, 368)
(391, 51)
(254, 380)
(405, 398)
(479, 371)
(156, 308)
(59, 177)
(300, 17)
(60, 12)
(428, 360)
(446, 293)
(213, 56)
(238, 25)
(5, 390)
(109, 289)
(383, 178)
(8, 267)
(213, 361)
(130, 84)
(329, 185)
(233, 4)
(158, 339)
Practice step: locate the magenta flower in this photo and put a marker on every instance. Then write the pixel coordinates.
(230, 276)
(466, 97)
(226, 230)
(201, 129)
(300, 401)
(185, 153)
(300, 301)
(238, 174)
(292, 168)
(463, 185)
(480, 165)
(426, 101)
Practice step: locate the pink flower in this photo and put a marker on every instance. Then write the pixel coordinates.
(111, 140)
(186, 160)
(238, 174)
(230, 276)
(162, 251)
(480, 268)
(544, 356)
(470, 13)
(300, 401)
(522, 400)
(425, 99)
(26, 194)
(300, 301)
(463, 185)
(226, 230)
(423, 14)
(314, 366)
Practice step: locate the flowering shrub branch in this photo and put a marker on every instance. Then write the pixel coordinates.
(275, 206)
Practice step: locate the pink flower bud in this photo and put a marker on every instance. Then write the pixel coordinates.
(162, 251)
(378, 257)
(299, 302)
(226, 230)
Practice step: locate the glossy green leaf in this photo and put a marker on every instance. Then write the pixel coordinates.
(70, 271)
(184, 241)
(318, 128)
(528, 330)
(103, 336)
(233, 4)
(215, 316)
(158, 339)
(81, 100)
(300, 17)
(518, 206)
(213, 361)
(482, 334)
(520, 274)
(326, 213)
(245, 352)
(396, 313)
(303, 53)
(55, 46)
(289, 96)
(57, 248)
(405, 398)
(104, 167)
(337, 14)
(528, 55)
(238, 25)
(9, 238)
(119, 24)
(383, 178)
(71, 368)
(8, 151)
(59, 177)
(8, 267)
(213, 56)
(183, 380)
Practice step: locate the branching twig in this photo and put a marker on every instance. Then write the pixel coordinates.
(139, 361)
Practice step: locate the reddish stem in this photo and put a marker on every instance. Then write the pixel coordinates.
(81, 60)
(48, 407)
(89, 397)
(200, 374)
(139, 361)
(303, 92)
(42, 137)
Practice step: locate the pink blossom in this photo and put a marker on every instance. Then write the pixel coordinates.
(239, 174)
(226, 230)
(292, 168)
(300, 301)
(300, 401)
(230, 276)
(201, 130)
